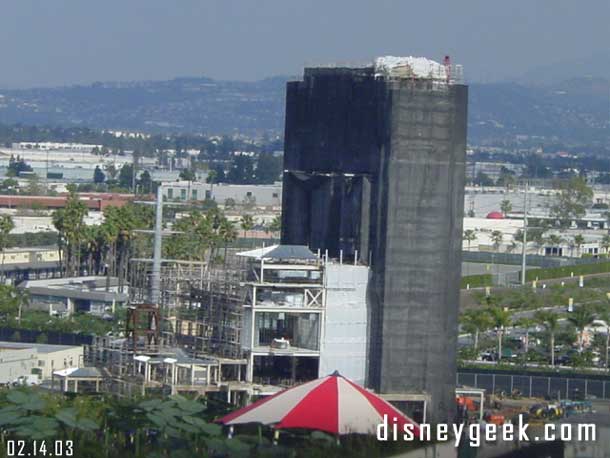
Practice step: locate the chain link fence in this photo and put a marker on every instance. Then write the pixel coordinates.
(541, 386)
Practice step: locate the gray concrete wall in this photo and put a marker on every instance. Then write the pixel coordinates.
(15, 363)
(417, 253)
(344, 339)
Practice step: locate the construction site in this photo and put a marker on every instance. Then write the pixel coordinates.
(245, 326)
(366, 278)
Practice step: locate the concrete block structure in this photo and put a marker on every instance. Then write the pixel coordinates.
(374, 169)
(20, 358)
(304, 317)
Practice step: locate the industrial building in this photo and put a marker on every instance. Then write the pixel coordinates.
(253, 195)
(65, 296)
(19, 359)
(374, 164)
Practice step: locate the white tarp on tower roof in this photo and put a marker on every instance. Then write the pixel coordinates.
(415, 67)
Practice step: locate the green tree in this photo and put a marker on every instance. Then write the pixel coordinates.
(268, 169)
(247, 224)
(474, 322)
(275, 225)
(211, 179)
(581, 317)
(241, 170)
(469, 236)
(604, 315)
(228, 234)
(219, 172)
(572, 200)
(6, 226)
(500, 319)
(526, 323)
(605, 243)
(496, 238)
(126, 176)
(554, 240)
(550, 321)
(188, 175)
(98, 176)
(506, 178)
(506, 207)
(9, 186)
(70, 223)
(12, 301)
(482, 179)
(579, 241)
(145, 182)
(33, 187)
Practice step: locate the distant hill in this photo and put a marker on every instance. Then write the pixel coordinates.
(573, 111)
(195, 105)
(597, 65)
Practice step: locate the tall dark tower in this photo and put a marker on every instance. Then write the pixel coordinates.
(374, 163)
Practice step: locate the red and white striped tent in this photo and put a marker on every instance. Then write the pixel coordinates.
(332, 404)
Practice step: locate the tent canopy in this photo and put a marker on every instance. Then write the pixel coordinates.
(332, 404)
(281, 252)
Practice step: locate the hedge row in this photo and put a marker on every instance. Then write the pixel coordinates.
(566, 271)
(476, 281)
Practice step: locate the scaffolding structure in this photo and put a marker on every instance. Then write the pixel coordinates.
(201, 305)
(211, 323)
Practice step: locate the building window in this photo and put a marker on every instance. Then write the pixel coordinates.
(183, 194)
(249, 194)
(170, 193)
(40, 363)
(194, 194)
(275, 195)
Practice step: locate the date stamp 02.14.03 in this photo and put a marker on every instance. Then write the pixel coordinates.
(41, 448)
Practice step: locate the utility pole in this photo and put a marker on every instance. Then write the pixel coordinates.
(524, 248)
(46, 180)
(155, 284)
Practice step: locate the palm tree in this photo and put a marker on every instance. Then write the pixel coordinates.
(276, 224)
(554, 240)
(247, 224)
(579, 241)
(506, 207)
(469, 236)
(211, 180)
(501, 319)
(550, 321)
(604, 315)
(605, 243)
(581, 317)
(474, 322)
(571, 245)
(6, 226)
(228, 234)
(526, 323)
(70, 223)
(496, 238)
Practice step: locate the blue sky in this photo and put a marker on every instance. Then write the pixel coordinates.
(58, 42)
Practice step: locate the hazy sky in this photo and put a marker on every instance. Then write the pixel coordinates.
(57, 42)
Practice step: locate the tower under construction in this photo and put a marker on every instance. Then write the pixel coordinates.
(374, 169)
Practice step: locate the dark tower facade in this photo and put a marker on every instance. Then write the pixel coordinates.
(374, 166)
